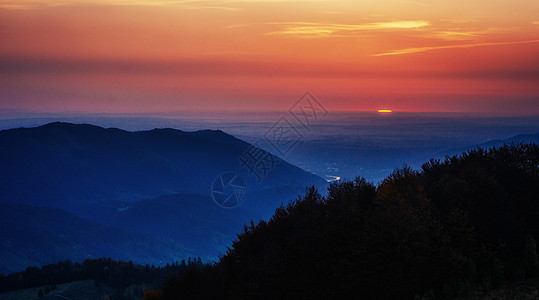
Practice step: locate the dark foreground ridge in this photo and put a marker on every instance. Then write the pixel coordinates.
(114, 279)
(461, 227)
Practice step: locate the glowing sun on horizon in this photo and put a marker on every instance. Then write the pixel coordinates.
(385, 111)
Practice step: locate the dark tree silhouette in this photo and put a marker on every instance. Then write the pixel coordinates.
(456, 228)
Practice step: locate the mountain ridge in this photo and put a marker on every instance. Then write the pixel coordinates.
(123, 165)
(524, 138)
(154, 184)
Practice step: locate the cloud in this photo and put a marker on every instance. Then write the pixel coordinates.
(455, 35)
(463, 20)
(324, 30)
(423, 49)
(470, 33)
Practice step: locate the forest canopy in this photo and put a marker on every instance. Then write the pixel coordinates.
(457, 227)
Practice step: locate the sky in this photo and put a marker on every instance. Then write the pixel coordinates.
(133, 56)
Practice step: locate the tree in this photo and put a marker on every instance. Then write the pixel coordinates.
(153, 295)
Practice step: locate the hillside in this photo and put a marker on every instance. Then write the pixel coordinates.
(35, 236)
(79, 290)
(462, 227)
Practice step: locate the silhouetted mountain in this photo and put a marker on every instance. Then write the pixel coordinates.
(149, 183)
(64, 165)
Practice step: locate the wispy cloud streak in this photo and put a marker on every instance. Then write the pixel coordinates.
(323, 30)
(430, 48)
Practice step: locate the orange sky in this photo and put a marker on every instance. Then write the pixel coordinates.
(140, 56)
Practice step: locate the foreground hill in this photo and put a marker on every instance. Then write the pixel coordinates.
(80, 290)
(458, 228)
(88, 280)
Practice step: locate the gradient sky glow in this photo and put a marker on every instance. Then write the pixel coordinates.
(155, 56)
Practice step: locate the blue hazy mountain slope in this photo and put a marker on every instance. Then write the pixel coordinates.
(40, 235)
(202, 226)
(75, 191)
(205, 228)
